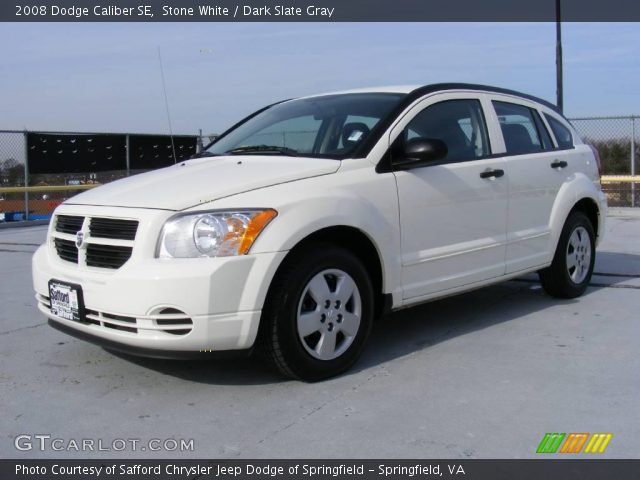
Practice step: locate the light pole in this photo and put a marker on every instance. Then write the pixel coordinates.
(559, 93)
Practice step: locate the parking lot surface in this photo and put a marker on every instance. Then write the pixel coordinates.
(481, 375)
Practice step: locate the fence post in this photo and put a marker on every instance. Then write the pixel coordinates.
(128, 155)
(633, 160)
(26, 177)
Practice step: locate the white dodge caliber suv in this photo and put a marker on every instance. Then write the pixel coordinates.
(305, 221)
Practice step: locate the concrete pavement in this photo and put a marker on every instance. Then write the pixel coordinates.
(482, 375)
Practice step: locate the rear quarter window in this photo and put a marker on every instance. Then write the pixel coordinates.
(562, 133)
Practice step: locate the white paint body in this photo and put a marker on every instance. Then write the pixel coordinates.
(438, 230)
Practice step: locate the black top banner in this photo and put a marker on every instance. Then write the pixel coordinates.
(319, 11)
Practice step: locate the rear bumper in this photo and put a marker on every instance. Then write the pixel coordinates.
(602, 211)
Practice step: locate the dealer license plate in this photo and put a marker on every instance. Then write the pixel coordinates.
(66, 300)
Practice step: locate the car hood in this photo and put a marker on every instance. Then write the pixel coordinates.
(203, 180)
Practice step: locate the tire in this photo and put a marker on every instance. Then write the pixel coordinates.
(572, 266)
(318, 313)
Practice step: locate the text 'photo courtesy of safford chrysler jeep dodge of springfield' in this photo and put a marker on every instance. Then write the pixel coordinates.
(301, 224)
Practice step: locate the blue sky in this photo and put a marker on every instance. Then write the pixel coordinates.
(106, 76)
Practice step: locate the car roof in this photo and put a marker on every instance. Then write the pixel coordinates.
(383, 89)
(420, 90)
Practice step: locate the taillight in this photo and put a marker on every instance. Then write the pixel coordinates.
(596, 155)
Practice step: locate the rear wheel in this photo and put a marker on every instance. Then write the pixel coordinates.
(319, 313)
(572, 266)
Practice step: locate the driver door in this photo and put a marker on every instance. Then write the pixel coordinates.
(453, 213)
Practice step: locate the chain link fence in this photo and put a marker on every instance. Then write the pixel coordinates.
(12, 174)
(25, 156)
(616, 138)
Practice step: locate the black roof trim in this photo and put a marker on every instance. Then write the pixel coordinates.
(436, 87)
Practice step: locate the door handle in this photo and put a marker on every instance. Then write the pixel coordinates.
(492, 173)
(558, 164)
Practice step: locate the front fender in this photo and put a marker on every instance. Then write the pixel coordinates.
(357, 198)
(305, 217)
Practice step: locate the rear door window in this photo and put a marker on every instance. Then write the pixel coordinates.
(547, 143)
(519, 129)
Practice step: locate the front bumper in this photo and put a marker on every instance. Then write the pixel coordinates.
(215, 303)
(144, 351)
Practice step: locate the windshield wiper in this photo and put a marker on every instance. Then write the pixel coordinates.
(266, 149)
(204, 153)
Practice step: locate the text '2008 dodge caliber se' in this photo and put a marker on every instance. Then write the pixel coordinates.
(306, 220)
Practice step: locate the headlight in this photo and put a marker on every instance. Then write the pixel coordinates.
(212, 234)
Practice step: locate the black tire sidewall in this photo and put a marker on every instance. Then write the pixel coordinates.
(577, 219)
(285, 310)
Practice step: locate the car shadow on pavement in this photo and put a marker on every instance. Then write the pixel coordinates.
(616, 264)
(406, 331)
(401, 333)
(393, 336)
(251, 370)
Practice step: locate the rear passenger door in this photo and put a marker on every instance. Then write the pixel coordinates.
(453, 212)
(536, 169)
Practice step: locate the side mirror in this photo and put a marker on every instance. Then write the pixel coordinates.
(418, 152)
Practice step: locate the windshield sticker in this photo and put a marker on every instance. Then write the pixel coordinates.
(355, 136)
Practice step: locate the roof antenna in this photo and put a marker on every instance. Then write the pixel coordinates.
(166, 104)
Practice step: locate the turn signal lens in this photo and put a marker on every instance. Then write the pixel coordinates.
(256, 225)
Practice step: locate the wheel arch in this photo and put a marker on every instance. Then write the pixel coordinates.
(562, 279)
(357, 242)
(589, 207)
(578, 195)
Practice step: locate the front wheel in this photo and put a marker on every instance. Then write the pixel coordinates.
(319, 313)
(572, 266)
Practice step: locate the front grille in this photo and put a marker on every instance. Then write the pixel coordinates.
(108, 322)
(92, 316)
(167, 322)
(113, 228)
(99, 253)
(66, 250)
(111, 321)
(68, 224)
(176, 323)
(107, 256)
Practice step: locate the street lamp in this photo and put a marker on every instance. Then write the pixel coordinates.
(559, 92)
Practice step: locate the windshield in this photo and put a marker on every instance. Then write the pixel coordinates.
(330, 126)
